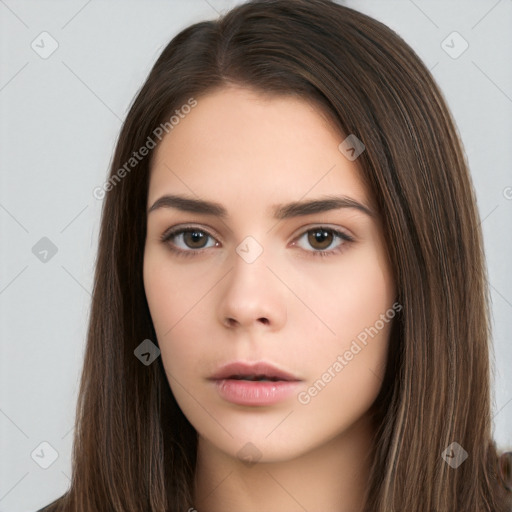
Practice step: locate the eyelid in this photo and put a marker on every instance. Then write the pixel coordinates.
(326, 225)
(176, 230)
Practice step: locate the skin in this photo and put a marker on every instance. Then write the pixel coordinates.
(290, 306)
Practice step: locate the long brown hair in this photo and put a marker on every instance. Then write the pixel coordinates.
(134, 450)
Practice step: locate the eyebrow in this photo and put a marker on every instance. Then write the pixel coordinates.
(280, 211)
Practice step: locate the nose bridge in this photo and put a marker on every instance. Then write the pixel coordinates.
(251, 292)
(250, 274)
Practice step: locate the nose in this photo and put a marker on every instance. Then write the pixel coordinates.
(252, 297)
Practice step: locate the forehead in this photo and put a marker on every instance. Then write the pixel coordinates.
(254, 148)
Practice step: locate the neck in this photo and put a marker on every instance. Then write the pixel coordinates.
(332, 477)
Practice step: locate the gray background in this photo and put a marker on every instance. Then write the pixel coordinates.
(59, 119)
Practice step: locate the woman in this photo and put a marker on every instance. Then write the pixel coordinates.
(290, 309)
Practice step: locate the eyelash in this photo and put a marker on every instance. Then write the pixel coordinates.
(169, 234)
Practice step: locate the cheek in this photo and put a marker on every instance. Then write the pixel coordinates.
(178, 315)
(349, 394)
(345, 379)
(343, 301)
(347, 368)
(173, 291)
(361, 286)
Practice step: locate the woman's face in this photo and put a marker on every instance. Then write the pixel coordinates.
(248, 282)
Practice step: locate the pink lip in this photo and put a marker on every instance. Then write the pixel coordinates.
(247, 369)
(246, 392)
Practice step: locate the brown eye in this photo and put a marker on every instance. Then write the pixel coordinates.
(323, 241)
(320, 238)
(195, 239)
(188, 241)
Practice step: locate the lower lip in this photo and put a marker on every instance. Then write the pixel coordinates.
(246, 392)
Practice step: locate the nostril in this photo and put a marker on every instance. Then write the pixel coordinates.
(230, 322)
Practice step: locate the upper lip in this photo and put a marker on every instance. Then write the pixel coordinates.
(241, 369)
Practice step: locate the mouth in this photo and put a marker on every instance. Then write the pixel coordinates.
(256, 384)
(259, 378)
(253, 372)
